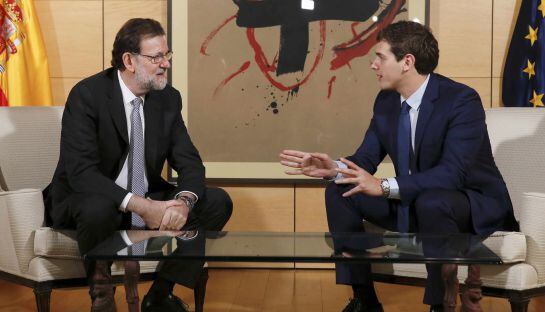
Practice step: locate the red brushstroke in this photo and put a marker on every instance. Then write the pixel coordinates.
(330, 85)
(353, 27)
(265, 67)
(233, 75)
(204, 45)
(345, 52)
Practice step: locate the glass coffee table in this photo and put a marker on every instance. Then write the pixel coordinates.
(389, 247)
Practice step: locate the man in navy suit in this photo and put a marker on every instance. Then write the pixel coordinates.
(434, 131)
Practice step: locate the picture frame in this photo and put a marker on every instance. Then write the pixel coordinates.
(184, 19)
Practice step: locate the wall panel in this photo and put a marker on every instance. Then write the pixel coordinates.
(504, 19)
(463, 29)
(263, 208)
(117, 12)
(61, 87)
(310, 213)
(496, 92)
(72, 32)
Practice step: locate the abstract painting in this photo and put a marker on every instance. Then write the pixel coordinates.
(265, 75)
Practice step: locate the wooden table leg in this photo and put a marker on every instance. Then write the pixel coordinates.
(449, 273)
(473, 294)
(132, 275)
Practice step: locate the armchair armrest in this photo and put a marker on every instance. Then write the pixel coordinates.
(21, 213)
(532, 224)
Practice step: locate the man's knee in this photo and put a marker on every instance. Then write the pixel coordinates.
(333, 193)
(219, 203)
(432, 203)
(331, 190)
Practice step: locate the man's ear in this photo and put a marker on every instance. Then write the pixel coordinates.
(128, 61)
(408, 62)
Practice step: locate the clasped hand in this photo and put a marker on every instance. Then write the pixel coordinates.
(170, 215)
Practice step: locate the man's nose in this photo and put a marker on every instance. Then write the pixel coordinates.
(165, 63)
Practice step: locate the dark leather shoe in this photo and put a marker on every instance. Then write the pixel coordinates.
(102, 289)
(169, 303)
(436, 308)
(356, 305)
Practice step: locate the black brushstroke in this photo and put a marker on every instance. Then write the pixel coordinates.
(293, 22)
(293, 47)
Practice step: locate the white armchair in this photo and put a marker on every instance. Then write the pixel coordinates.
(31, 254)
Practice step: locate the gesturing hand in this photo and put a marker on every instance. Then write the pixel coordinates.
(316, 165)
(364, 182)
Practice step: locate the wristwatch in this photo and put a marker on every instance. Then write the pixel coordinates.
(189, 202)
(385, 186)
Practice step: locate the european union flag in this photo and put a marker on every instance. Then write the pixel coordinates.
(524, 71)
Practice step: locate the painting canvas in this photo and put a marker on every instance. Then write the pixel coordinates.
(268, 75)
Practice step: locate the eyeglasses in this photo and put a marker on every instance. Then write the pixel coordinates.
(157, 59)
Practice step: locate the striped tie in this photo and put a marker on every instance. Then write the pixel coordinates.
(136, 160)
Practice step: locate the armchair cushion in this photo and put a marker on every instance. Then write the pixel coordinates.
(56, 244)
(3, 186)
(509, 246)
(22, 213)
(45, 269)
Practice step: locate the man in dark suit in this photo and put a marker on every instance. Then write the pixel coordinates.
(118, 128)
(434, 131)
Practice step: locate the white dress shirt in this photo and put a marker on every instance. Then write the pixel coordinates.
(122, 178)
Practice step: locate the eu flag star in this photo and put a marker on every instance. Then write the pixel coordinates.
(530, 69)
(541, 8)
(532, 35)
(536, 100)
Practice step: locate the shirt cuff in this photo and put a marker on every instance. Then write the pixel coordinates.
(339, 175)
(125, 202)
(394, 188)
(196, 197)
(126, 238)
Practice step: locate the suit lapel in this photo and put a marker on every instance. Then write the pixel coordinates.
(152, 115)
(426, 110)
(393, 119)
(117, 109)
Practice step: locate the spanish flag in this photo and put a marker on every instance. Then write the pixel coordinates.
(24, 72)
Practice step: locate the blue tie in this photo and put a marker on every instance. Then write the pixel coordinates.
(403, 162)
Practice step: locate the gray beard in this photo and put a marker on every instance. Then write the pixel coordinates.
(150, 83)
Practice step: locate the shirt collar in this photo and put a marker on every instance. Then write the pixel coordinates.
(128, 96)
(415, 99)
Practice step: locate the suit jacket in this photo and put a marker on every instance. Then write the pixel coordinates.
(452, 151)
(95, 143)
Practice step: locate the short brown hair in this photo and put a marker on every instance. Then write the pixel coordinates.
(130, 35)
(406, 37)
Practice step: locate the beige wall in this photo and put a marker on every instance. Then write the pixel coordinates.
(473, 37)
(78, 35)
